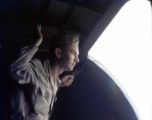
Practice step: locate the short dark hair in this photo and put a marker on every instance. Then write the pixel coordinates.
(52, 55)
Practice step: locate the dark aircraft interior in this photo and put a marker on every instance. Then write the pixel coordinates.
(94, 94)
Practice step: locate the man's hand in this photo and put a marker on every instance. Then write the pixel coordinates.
(66, 80)
(37, 35)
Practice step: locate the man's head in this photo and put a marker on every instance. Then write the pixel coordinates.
(64, 49)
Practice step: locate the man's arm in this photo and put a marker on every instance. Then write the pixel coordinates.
(38, 35)
(20, 70)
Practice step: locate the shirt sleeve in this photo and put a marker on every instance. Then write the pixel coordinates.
(20, 70)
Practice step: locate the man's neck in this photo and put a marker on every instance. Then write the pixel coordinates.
(55, 71)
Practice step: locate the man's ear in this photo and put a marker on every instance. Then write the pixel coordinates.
(58, 52)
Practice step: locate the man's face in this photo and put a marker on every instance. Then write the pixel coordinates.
(69, 58)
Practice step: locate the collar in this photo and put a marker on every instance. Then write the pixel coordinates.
(47, 69)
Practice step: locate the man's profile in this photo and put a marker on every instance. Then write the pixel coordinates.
(38, 82)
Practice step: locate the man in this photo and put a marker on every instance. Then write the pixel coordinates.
(37, 83)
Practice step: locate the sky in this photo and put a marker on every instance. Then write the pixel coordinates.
(125, 50)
